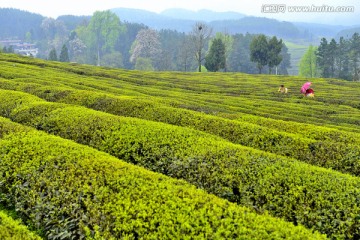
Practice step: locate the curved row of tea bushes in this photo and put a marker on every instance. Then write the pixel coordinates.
(11, 229)
(166, 85)
(260, 86)
(72, 191)
(341, 153)
(336, 153)
(173, 87)
(318, 198)
(56, 93)
(305, 130)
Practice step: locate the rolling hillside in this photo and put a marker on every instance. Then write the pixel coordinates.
(296, 51)
(169, 154)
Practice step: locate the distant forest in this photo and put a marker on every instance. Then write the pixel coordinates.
(119, 45)
(105, 40)
(333, 59)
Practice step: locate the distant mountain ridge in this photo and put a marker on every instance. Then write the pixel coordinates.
(182, 20)
(201, 15)
(347, 33)
(152, 19)
(231, 22)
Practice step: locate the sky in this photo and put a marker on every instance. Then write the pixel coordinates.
(55, 8)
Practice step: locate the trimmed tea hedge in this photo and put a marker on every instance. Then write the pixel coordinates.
(75, 192)
(11, 229)
(334, 150)
(336, 104)
(303, 194)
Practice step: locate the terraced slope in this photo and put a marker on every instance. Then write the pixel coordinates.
(210, 93)
(229, 134)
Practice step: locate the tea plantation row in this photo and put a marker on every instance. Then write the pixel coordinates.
(209, 110)
(317, 198)
(327, 147)
(69, 191)
(252, 94)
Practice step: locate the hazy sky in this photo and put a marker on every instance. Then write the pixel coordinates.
(54, 8)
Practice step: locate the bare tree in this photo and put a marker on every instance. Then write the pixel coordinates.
(200, 36)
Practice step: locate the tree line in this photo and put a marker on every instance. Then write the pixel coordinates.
(104, 40)
(332, 59)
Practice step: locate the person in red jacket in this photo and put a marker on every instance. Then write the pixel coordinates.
(309, 93)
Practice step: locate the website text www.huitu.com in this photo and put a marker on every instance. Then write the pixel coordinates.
(282, 8)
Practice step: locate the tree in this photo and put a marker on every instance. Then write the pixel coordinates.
(259, 51)
(239, 59)
(228, 42)
(104, 29)
(355, 55)
(171, 42)
(332, 54)
(200, 35)
(343, 59)
(53, 55)
(274, 53)
(54, 34)
(9, 49)
(48, 27)
(28, 37)
(323, 58)
(64, 54)
(285, 63)
(186, 55)
(77, 48)
(144, 64)
(146, 45)
(308, 67)
(127, 40)
(215, 59)
(113, 60)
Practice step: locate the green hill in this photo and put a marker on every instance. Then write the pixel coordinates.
(296, 51)
(241, 160)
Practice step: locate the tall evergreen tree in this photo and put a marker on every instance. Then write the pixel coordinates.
(64, 54)
(274, 53)
(228, 41)
(9, 49)
(53, 55)
(332, 57)
(355, 55)
(285, 62)
(239, 60)
(215, 59)
(259, 51)
(323, 58)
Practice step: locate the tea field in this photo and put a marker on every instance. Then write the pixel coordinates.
(98, 153)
